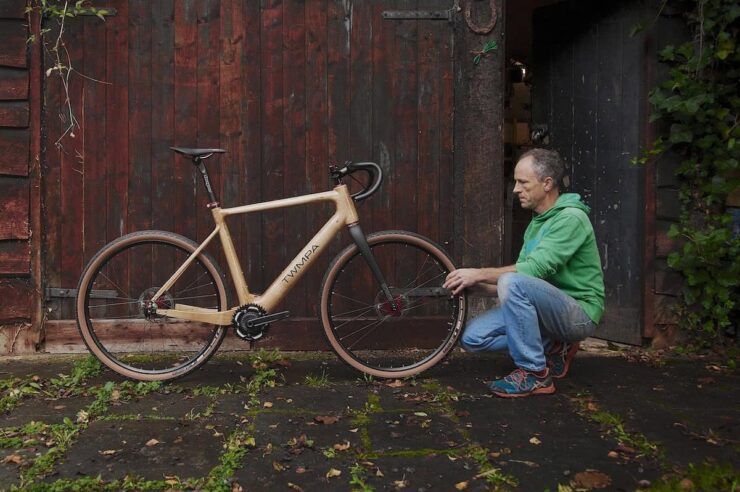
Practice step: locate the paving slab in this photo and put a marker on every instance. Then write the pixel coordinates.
(116, 449)
(431, 432)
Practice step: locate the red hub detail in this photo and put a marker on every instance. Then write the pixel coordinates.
(386, 307)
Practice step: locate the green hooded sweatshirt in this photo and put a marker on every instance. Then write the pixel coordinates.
(560, 247)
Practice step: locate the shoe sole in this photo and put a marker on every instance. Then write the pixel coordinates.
(568, 359)
(547, 390)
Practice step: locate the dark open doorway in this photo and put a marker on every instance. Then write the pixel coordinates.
(582, 94)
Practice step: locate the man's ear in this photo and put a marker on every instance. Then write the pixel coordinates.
(548, 183)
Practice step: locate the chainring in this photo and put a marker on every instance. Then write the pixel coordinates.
(243, 315)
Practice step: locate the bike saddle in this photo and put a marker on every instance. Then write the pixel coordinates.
(197, 153)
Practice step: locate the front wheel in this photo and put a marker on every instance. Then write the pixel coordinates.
(399, 337)
(117, 317)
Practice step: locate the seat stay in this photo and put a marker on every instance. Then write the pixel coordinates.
(175, 276)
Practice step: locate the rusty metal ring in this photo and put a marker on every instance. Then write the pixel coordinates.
(474, 27)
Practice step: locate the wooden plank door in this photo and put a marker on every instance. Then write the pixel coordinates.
(286, 87)
(587, 92)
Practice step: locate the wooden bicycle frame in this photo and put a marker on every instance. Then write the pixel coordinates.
(345, 214)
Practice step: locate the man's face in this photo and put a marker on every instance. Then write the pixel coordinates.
(528, 187)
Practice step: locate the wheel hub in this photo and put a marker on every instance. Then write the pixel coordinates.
(388, 309)
(149, 308)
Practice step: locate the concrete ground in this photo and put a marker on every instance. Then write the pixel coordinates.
(621, 420)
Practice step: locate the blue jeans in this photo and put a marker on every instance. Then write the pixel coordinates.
(533, 314)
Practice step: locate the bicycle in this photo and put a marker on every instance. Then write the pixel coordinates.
(152, 305)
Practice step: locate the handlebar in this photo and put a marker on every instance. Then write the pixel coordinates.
(374, 171)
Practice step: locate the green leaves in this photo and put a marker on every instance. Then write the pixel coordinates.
(698, 106)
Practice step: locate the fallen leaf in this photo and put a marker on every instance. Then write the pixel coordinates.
(273, 426)
(267, 404)
(355, 429)
(108, 452)
(277, 466)
(326, 419)
(378, 473)
(591, 406)
(343, 446)
(592, 479)
(461, 485)
(115, 395)
(171, 481)
(686, 484)
(401, 484)
(177, 440)
(82, 417)
(613, 454)
(152, 442)
(530, 464)
(294, 487)
(535, 441)
(397, 383)
(60, 407)
(284, 363)
(235, 487)
(420, 414)
(300, 470)
(623, 448)
(462, 413)
(249, 442)
(14, 458)
(333, 472)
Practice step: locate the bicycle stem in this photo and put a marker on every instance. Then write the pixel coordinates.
(355, 231)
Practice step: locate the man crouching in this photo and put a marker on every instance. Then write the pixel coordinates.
(552, 298)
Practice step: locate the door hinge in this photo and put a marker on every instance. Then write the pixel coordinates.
(56, 292)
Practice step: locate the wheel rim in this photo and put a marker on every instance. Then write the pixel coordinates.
(136, 342)
(378, 338)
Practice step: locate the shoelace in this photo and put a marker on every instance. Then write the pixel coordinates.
(518, 378)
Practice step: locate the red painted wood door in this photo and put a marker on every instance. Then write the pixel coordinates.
(286, 87)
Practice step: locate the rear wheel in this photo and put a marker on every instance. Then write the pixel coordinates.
(391, 339)
(118, 321)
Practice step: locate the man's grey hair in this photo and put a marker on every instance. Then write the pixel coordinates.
(547, 163)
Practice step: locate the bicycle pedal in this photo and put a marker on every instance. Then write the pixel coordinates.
(263, 320)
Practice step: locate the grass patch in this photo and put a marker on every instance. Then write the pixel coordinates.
(317, 381)
(615, 426)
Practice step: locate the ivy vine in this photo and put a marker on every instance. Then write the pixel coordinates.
(59, 11)
(698, 107)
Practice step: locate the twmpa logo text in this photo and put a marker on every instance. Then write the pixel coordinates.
(297, 267)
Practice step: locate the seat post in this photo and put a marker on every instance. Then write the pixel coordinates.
(211, 195)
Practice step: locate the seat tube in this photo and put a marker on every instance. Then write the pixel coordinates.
(355, 231)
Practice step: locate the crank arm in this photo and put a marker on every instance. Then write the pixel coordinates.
(263, 320)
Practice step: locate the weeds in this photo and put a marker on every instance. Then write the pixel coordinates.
(313, 381)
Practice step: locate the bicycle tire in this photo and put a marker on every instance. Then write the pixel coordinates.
(393, 350)
(115, 328)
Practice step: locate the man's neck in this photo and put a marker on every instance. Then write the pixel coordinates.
(547, 203)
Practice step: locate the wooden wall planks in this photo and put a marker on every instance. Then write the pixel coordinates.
(287, 87)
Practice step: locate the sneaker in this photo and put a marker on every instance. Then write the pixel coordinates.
(522, 383)
(560, 357)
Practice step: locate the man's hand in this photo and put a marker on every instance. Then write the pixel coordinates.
(477, 280)
(461, 279)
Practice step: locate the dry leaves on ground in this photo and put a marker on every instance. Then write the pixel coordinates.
(592, 479)
(326, 419)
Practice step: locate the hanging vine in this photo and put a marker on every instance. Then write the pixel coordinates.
(53, 39)
(698, 105)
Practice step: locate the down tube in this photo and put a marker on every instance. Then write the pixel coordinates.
(301, 263)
